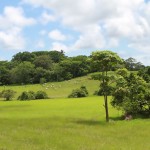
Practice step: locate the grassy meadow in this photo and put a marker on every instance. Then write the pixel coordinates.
(68, 124)
(57, 89)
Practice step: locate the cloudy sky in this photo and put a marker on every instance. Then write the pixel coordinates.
(77, 27)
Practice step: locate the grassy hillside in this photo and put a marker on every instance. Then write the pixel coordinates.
(68, 124)
(57, 89)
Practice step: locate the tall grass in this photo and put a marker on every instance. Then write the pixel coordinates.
(68, 124)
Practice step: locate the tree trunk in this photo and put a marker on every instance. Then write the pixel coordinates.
(106, 108)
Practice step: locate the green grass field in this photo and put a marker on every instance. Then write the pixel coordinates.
(68, 124)
(57, 89)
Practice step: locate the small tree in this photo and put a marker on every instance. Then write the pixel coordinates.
(27, 95)
(41, 95)
(105, 61)
(131, 95)
(8, 94)
(82, 92)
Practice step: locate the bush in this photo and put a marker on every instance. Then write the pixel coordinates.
(7, 94)
(27, 95)
(31, 95)
(41, 95)
(82, 92)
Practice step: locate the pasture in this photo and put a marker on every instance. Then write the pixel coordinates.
(57, 89)
(68, 124)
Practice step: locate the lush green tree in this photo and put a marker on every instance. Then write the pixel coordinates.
(7, 94)
(41, 95)
(105, 60)
(43, 61)
(23, 56)
(30, 95)
(131, 95)
(82, 92)
(57, 56)
(23, 73)
(145, 73)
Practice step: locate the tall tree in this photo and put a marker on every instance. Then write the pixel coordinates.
(105, 60)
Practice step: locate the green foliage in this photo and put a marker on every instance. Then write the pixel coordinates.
(23, 73)
(123, 72)
(7, 94)
(43, 61)
(41, 95)
(82, 92)
(145, 73)
(23, 56)
(27, 95)
(106, 61)
(131, 95)
(32, 95)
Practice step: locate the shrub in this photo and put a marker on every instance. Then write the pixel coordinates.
(82, 92)
(41, 95)
(27, 95)
(7, 94)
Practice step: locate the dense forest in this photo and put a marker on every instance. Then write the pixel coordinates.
(45, 66)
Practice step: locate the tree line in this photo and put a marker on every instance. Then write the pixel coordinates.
(48, 66)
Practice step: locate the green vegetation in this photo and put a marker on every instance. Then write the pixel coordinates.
(56, 89)
(65, 124)
(51, 66)
(76, 124)
(82, 92)
(105, 61)
(7, 94)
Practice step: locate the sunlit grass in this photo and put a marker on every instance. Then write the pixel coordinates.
(57, 89)
(68, 124)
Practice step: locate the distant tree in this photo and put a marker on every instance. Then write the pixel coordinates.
(23, 56)
(105, 60)
(23, 73)
(41, 95)
(8, 94)
(30, 95)
(82, 92)
(43, 61)
(57, 56)
(132, 65)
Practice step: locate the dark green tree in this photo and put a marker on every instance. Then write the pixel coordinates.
(23, 73)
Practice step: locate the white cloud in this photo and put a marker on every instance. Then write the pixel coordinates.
(59, 46)
(46, 18)
(12, 23)
(12, 39)
(57, 35)
(14, 16)
(90, 38)
(103, 23)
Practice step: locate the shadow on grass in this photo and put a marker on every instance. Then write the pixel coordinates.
(119, 118)
(89, 122)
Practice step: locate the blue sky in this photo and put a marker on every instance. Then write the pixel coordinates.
(77, 27)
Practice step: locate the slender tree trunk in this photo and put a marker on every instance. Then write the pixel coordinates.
(106, 99)
(106, 108)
